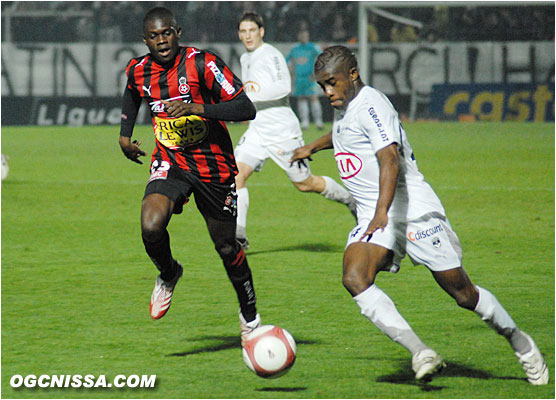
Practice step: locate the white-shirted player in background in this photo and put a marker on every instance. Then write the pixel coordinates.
(275, 132)
(398, 212)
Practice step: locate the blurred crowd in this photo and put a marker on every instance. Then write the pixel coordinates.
(327, 21)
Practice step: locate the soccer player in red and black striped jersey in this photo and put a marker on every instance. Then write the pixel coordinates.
(189, 92)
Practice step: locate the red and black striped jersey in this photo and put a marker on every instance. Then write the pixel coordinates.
(196, 76)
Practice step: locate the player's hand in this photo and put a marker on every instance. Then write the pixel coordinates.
(379, 221)
(300, 154)
(131, 149)
(177, 108)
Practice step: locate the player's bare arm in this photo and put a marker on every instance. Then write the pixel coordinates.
(322, 143)
(131, 150)
(388, 159)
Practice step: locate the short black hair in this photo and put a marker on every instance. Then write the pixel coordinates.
(253, 17)
(160, 13)
(340, 57)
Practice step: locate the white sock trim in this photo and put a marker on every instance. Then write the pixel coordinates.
(382, 312)
(336, 192)
(242, 208)
(491, 311)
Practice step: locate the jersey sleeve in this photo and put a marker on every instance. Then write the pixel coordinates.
(380, 123)
(219, 79)
(274, 78)
(131, 101)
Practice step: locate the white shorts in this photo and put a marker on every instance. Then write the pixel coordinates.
(252, 152)
(429, 241)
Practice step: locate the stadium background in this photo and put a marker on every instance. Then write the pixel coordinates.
(76, 281)
(480, 61)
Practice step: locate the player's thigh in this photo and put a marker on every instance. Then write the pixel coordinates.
(217, 202)
(391, 238)
(432, 242)
(165, 194)
(367, 258)
(249, 151)
(281, 153)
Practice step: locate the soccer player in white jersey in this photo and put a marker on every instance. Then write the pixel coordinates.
(275, 132)
(398, 212)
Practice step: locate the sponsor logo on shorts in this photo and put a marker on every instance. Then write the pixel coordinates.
(348, 164)
(158, 175)
(415, 236)
(282, 152)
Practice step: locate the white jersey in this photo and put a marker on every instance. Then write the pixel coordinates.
(369, 124)
(267, 82)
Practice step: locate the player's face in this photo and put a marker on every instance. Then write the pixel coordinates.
(338, 86)
(162, 40)
(250, 35)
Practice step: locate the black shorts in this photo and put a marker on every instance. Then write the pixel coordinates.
(216, 200)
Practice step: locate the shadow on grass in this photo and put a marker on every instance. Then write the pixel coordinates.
(313, 247)
(223, 343)
(281, 389)
(407, 377)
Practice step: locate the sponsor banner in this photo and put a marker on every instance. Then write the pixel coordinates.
(494, 102)
(88, 69)
(72, 111)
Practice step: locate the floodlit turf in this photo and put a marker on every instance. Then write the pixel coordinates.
(76, 281)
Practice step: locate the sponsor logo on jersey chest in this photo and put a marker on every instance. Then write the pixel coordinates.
(251, 87)
(348, 164)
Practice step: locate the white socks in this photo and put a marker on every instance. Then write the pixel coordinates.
(242, 207)
(303, 107)
(382, 312)
(491, 311)
(334, 191)
(316, 109)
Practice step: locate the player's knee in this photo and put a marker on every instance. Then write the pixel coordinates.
(305, 186)
(152, 229)
(227, 251)
(467, 298)
(302, 187)
(354, 279)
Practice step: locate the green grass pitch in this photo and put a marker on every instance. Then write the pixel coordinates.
(76, 281)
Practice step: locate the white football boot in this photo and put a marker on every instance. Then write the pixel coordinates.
(426, 363)
(248, 327)
(533, 364)
(161, 297)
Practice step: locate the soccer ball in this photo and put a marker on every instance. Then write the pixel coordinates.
(5, 167)
(269, 351)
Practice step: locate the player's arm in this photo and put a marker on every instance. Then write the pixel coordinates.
(130, 108)
(322, 143)
(240, 108)
(388, 160)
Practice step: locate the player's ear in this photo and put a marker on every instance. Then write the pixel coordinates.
(178, 32)
(262, 32)
(354, 74)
